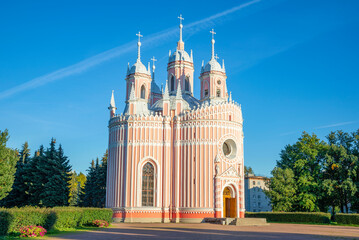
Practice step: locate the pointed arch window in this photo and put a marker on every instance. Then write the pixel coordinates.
(186, 85)
(218, 93)
(143, 92)
(172, 83)
(148, 179)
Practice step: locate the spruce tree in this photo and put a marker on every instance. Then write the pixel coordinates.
(56, 167)
(87, 198)
(101, 176)
(34, 177)
(19, 193)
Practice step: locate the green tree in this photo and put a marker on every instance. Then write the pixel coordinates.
(355, 152)
(305, 159)
(19, 193)
(8, 159)
(56, 167)
(95, 187)
(281, 189)
(340, 171)
(88, 196)
(248, 170)
(100, 182)
(77, 184)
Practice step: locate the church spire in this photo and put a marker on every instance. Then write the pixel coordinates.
(180, 44)
(112, 106)
(166, 95)
(139, 46)
(212, 42)
(179, 91)
(132, 92)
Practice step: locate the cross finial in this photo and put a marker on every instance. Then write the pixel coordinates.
(139, 46)
(216, 57)
(139, 36)
(180, 18)
(180, 26)
(153, 61)
(213, 32)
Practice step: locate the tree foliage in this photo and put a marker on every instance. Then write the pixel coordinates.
(8, 160)
(325, 174)
(19, 193)
(248, 170)
(95, 188)
(282, 189)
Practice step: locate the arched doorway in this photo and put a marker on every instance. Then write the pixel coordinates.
(229, 203)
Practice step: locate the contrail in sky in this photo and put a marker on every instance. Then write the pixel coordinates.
(88, 63)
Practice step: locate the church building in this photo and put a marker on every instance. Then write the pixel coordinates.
(173, 157)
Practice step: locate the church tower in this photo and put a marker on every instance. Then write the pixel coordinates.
(213, 79)
(138, 80)
(180, 68)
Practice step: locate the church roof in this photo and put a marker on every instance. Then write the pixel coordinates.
(180, 55)
(212, 65)
(138, 67)
(188, 102)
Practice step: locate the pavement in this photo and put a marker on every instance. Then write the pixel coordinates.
(199, 231)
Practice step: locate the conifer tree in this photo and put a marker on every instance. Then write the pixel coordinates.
(8, 159)
(34, 178)
(87, 198)
(19, 193)
(56, 167)
(101, 176)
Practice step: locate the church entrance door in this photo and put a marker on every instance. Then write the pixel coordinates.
(229, 203)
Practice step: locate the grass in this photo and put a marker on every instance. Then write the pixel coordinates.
(314, 223)
(54, 233)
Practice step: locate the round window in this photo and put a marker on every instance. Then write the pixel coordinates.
(219, 82)
(229, 148)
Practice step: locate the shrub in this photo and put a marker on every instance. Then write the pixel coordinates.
(58, 218)
(100, 223)
(32, 231)
(299, 217)
(342, 218)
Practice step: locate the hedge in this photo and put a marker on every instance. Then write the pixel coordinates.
(299, 217)
(58, 218)
(342, 218)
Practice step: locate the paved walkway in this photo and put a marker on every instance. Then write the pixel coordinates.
(213, 231)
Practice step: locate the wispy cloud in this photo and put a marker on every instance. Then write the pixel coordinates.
(335, 125)
(88, 63)
(320, 127)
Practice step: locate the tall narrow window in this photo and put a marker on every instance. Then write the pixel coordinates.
(218, 93)
(186, 86)
(172, 84)
(143, 92)
(147, 184)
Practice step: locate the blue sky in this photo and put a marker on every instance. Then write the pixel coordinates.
(292, 65)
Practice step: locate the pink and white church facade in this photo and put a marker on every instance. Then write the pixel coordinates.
(173, 157)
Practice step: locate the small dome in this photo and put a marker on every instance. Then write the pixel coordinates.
(138, 67)
(212, 65)
(180, 55)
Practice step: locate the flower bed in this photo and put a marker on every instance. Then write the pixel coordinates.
(100, 223)
(32, 231)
